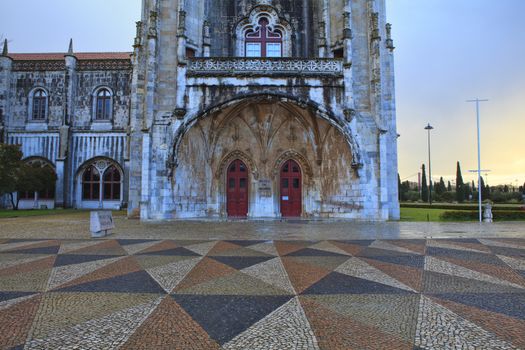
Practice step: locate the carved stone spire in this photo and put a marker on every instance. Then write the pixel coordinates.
(389, 41)
(5, 51)
(70, 49)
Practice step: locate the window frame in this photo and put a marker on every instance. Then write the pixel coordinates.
(38, 105)
(263, 35)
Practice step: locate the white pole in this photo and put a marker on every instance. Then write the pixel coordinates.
(479, 162)
(479, 157)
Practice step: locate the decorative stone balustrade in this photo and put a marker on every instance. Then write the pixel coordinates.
(232, 66)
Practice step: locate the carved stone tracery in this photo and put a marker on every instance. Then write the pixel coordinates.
(232, 66)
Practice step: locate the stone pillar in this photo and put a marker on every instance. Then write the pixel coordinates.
(6, 66)
(63, 196)
(349, 104)
(206, 40)
(134, 145)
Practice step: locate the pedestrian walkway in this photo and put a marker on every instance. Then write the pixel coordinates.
(273, 286)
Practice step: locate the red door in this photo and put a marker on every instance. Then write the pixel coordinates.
(237, 184)
(291, 189)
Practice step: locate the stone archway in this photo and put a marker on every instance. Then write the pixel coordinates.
(263, 133)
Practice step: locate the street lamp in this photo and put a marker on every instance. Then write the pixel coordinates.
(428, 128)
(477, 101)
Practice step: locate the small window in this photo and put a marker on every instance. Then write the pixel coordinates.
(231, 184)
(39, 105)
(112, 183)
(295, 183)
(232, 168)
(273, 50)
(242, 183)
(286, 184)
(295, 169)
(253, 50)
(242, 168)
(190, 52)
(286, 168)
(91, 184)
(339, 53)
(103, 105)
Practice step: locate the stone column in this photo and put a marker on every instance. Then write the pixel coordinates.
(6, 66)
(65, 175)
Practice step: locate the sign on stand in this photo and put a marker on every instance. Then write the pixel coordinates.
(101, 222)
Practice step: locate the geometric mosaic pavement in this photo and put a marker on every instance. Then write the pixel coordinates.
(172, 294)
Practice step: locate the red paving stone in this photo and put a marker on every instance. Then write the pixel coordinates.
(353, 249)
(110, 247)
(285, 248)
(41, 264)
(16, 321)
(170, 327)
(508, 328)
(501, 272)
(120, 267)
(302, 275)
(407, 275)
(334, 331)
(164, 245)
(206, 270)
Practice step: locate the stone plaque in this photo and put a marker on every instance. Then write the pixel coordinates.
(100, 223)
(265, 187)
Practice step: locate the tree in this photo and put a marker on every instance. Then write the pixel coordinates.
(449, 187)
(17, 176)
(424, 186)
(485, 189)
(10, 163)
(399, 189)
(473, 186)
(460, 187)
(440, 187)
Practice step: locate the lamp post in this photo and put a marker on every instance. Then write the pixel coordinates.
(429, 128)
(477, 101)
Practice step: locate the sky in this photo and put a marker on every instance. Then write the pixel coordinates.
(447, 52)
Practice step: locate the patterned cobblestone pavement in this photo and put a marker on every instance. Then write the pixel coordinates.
(262, 294)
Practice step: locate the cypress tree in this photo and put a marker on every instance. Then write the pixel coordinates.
(399, 188)
(449, 187)
(460, 188)
(424, 186)
(440, 187)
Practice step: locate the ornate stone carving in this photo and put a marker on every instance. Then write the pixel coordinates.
(266, 66)
(152, 30)
(104, 65)
(138, 36)
(27, 66)
(349, 114)
(179, 113)
(298, 157)
(230, 157)
(389, 41)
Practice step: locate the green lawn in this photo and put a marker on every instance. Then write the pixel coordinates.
(34, 212)
(5, 214)
(421, 214)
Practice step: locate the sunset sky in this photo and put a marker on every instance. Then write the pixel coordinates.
(447, 52)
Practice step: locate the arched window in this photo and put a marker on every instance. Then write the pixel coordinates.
(112, 183)
(39, 105)
(91, 184)
(103, 104)
(263, 42)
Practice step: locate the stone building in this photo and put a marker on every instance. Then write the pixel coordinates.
(243, 108)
